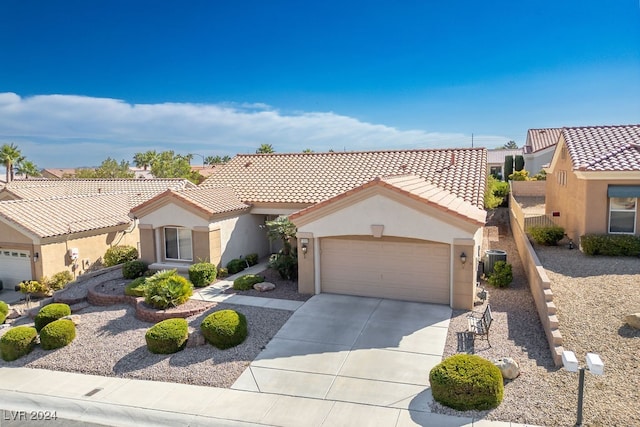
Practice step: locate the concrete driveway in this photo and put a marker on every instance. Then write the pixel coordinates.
(354, 349)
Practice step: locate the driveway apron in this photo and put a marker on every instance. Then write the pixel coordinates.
(354, 349)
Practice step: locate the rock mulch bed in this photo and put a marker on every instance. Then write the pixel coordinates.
(285, 289)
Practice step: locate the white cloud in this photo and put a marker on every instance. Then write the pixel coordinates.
(69, 130)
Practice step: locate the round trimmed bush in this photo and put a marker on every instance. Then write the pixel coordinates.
(168, 336)
(166, 289)
(119, 254)
(17, 342)
(136, 287)
(57, 334)
(4, 311)
(133, 269)
(247, 281)
(466, 381)
(202, 274)
(224, 329)
(49, 313)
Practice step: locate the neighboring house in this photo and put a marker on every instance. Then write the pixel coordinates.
(41, 220)
(539, 148)
(392, 224)
(206, 171)
(593, 182)
(52, 173)
(495, 160)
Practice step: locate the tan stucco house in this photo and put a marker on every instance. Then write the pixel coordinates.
(593, 182)
(42, 221)
(539, 148)
(403, 224)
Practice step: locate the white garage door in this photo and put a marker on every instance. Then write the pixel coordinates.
(386, 268)
(15, 266)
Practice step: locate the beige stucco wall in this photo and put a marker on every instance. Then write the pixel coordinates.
(306, 264)
(462, 294)
(147, 245)
(242, 235)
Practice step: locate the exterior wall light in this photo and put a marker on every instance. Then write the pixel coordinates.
(36, 255)
(463, 258)
(304, 246)
(594, 364)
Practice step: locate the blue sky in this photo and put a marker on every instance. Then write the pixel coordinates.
(83, 80)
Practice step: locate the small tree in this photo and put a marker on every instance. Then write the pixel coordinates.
(285, 262)
(508, 165)
(265, 149)
(519, 163)
(511, 145)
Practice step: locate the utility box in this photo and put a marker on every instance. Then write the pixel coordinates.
(491, 257)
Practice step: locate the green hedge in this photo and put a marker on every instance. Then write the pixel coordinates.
(252, 259)
(236, 266)
(166, 289)
(57, 334)
(547, 236)
(247, 281)
(202, 274)
(17, 342)
(59, 280)
(224, 329)
(133, 269)
(119, 255)
(610, 244)
(50, 313)
(4, 311)
(465, 382)
(168, 336)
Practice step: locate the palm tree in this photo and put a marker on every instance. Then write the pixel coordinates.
(265, 149)
(9, 155)
(144, 160)
(27, 168)
(226, 159)
(212, 160)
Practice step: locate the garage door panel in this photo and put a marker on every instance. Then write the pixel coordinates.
(15, 266)
(386, 269)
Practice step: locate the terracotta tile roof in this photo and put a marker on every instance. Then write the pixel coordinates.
(417, 188)
(59, 173)
(314, 177)
(604, 148)
(497, 156)
(206, 171)
(71, 214)
(211, 200)
(139, 190)
(539, 139)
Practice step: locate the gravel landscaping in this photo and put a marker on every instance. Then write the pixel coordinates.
(592, 295)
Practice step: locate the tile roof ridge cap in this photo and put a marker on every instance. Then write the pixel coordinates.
(602, 126)
(319, 153)
(67, 197)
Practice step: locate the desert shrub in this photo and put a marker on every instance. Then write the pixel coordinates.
(168, 336)
(466, 382)
(17, 342)
(495, 193)
(547, 236)
(136, 287)
(540, 176)
(133, 269)
(57, 334)
(224, 329)
(521, 175)
(59, 280)
(119, 255)
(247, 281)
(166, 289)
(223, 272)
(50, 313)
(4, 311)
(252, 259)
(236, 266)
(202, 274)
(33, 287)
(502, 275)
(610, 244)
(286, 265)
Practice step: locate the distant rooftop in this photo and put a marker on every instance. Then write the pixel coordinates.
(539, 139)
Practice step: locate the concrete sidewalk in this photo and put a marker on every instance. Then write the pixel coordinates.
(127, 402)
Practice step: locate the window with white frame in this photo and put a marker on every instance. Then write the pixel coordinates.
(622, 215)
(177, 244)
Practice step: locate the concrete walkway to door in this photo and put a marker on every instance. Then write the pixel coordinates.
(354, 349)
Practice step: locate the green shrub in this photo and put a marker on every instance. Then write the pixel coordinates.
(133, 269)
(466, 382)
(508, 166)
(17, 342)
(50, 313)
(236, 266)
(168, 336)
(136, 287)
(166, 289)
(547, 236)
(502, 275)
(202, 274)
(119, 255)
(252, 259)
(522, 175)
(247, 281)
(495, 193)
(4, 311)
(59, 280)
(224, 328)
(286, 265)
(33, 287)
(222, 272)
(57, 334)
(610, 244)
(518, 162)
